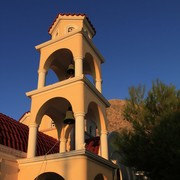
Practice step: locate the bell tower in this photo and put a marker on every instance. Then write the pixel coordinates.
(75, 102)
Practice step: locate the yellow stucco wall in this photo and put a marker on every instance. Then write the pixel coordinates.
(72, 166)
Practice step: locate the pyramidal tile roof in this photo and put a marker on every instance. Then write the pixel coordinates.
(14, 134)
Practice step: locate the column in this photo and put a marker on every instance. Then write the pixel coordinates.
(79, 130)
(98, 84)
(41, 78)
(32, 140)
(62, 145)
(104, 144)
(78, 66)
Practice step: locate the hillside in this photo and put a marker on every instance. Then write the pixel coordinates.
(115, 117)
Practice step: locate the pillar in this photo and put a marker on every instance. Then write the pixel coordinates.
(62, 145)
(32, 139)
(78, 66)
(104, 144)
(79, 130)
(41, 78)
(98, 84)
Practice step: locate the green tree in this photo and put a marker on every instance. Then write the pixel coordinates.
(153, 145)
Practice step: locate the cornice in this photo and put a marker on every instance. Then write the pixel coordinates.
(72, 154)
(71, 81)
(52, 41)
(75, 32)
(54, 86)
(99, 95)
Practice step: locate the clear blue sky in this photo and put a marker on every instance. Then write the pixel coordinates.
(139, 39)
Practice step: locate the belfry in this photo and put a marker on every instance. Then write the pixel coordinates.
(74, 106)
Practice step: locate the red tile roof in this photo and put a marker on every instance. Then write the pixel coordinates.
(73, 14)
(14, 134)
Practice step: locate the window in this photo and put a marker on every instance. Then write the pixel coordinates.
(70, 29)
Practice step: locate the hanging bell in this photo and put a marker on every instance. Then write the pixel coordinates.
(70, 70)
(69, 119)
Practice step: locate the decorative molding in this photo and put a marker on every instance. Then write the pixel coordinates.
(56, 85)
(78, 79)
(60, 38)
(12, 152)
(69, 35)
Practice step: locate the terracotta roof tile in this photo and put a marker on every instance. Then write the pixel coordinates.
(15, 135)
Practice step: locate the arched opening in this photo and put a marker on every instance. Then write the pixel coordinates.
(55, 108)
(89, 68)
(49, 176)
(58, 63)
(52, 115)
(92, 70)
(100, 177)
(51, 78)
(97, 115)
(91, 129)
(92, 120)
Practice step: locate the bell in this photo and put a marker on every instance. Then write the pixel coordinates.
(70, 70)
(69, 119)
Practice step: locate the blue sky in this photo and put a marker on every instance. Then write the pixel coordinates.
(139, 39)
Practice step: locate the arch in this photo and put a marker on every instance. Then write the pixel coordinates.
(93, 114)
(58, 62)
(49, 176)
(96, 113)
(90, 67)
(100, 176)
(56, 109)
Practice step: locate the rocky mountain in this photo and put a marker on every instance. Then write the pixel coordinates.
(115, 117)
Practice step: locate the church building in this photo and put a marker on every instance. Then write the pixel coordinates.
(64, 135)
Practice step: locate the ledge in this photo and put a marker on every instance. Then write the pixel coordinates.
(38, 47)
(55, 85)
(66, 82)
(75, 32)
(71, 154)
